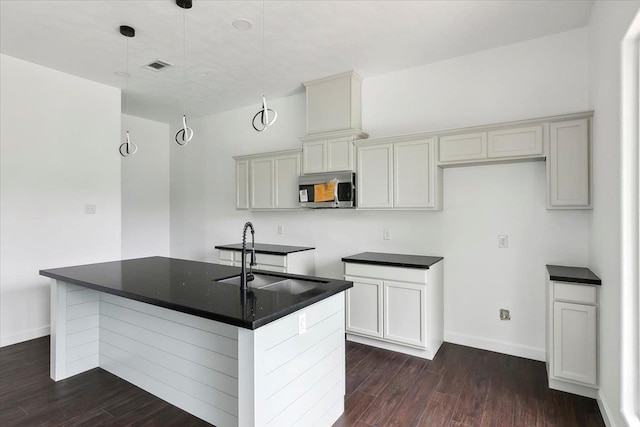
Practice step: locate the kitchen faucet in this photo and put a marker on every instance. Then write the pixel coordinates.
(244, 276)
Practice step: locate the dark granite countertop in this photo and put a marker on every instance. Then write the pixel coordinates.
(263, 248)
(192, 287)
(394, 260)
(561, 273)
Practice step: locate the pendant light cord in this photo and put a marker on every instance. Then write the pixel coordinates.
(184, 135)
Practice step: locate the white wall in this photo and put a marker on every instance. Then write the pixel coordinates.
(145, 189)
(537, 78)
(608, 25)
(58, 148)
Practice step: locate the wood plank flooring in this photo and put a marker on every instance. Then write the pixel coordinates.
(462, 386)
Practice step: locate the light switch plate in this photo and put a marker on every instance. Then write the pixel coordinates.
(503, 241)
(89, 209)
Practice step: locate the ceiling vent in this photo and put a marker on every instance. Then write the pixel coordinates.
(158, 65)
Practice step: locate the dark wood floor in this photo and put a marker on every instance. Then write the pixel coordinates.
(462, 386)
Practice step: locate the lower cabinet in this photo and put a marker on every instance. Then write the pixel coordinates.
(302, 262)
(572, 337)
(395, 308)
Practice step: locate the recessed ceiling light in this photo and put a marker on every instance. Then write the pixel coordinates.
(121, 74)
(242, 24)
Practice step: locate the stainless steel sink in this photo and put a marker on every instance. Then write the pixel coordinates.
(259, 280)
(292, 286)
(276, 283)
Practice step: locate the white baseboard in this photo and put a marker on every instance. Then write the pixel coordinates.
(605, 410)
(24, 336)
(497, 346)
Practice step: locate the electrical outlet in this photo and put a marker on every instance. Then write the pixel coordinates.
(503, 241)
(302, 323)
(89, 209)
(281, 229)
(386, 234)
(505, 314)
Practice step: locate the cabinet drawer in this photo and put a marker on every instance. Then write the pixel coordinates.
(226, 255)
(275, 260)
(413, 275)
(582, 294)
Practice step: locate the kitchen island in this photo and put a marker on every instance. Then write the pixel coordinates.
(176, 329)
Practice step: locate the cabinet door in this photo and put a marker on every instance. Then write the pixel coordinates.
(314, 157)
(262, 183)
(460, 148)
(518, 142)
(375, 176)
(242, 184)
(414, 174)
(574, 342)
(568, 165)
(287, 171)
(339, 155)
(364, 307)
(405, 313)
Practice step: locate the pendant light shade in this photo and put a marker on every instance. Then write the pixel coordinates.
(263, 116)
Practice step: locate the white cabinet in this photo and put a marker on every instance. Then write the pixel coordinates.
(456, 148)
(262, 183)
(327, 155)
(415, 177)
(334, 103)
(516, 142)
(302, 262)
(364, 300)
(574, 342)
(572, 353)
(396, 308)
(375, 176)
(569, 165)
(510, 143)
(286, 173)
(398, 173)
(242, 184)
(268, 181)
(405, 307)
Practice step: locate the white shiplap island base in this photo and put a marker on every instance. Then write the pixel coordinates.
(223, 374)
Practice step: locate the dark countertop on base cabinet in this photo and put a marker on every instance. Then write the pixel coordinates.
(561, 273)
(393, 260)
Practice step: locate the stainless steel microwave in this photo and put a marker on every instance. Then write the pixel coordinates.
(327, 190)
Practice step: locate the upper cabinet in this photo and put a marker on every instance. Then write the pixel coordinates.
(242, 184)
(328, 155)
(399, 173)
(569, 165)
(334, 104)
(334, 120)
(268, 181)
(493, 145)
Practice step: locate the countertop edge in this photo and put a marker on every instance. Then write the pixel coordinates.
(266, 251)
(392, 264)
(251, 325)
(594, 280)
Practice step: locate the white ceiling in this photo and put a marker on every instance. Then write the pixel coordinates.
(304, 40)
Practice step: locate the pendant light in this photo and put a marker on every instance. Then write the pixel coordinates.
(263, 115)
(127, 148)
(184, 135)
